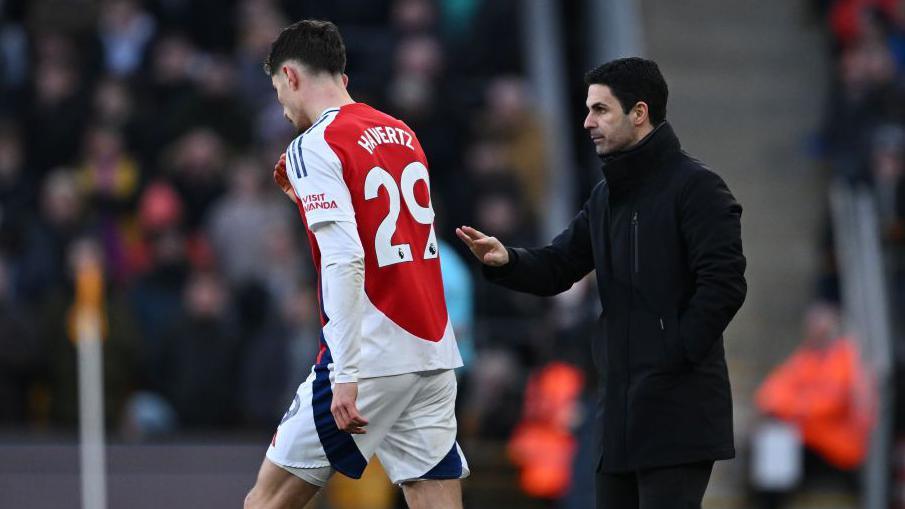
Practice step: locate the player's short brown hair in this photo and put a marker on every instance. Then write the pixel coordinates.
(314, 43)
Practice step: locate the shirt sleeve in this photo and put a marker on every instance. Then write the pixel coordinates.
(342, 280)
(316, 175)
(551, 269)
(712, 230)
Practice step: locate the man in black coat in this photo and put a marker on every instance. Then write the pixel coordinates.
(664, 235)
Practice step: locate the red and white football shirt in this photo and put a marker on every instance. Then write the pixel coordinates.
(359, 165)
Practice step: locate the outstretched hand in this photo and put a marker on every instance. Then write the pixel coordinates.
(282, 180)
(488, 250)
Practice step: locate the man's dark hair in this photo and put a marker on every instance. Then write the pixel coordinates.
(316, 44)
(633, 80)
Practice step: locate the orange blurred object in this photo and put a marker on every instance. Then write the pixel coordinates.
(89, 288)
(86, 317)
(542, 445)
(825, 393)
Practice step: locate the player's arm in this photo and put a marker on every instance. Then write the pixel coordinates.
(315, 175)
(545, 270)
(342, 280)
(342, 277)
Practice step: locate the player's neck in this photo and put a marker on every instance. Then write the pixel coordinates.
(323, 99)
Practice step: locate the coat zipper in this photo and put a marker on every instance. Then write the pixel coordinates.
(635, 241)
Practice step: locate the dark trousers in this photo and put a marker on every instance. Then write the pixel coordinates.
(678, 487)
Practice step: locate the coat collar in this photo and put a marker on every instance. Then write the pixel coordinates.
(625, 169)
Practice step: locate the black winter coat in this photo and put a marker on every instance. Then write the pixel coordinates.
(664, 234)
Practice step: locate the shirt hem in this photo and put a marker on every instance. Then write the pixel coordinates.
(402, 370)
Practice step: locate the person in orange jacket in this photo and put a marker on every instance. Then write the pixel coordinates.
(822, 390)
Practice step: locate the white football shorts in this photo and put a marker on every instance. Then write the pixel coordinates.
(411, 427)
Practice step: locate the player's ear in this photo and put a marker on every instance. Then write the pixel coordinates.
(292, 76)
(345, 80)
(639, 113)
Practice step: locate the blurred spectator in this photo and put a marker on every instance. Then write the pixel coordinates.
(114, 108)
(159, 210)
(285, 263)
(156, 295)
(868, 96)
(414, 16)
(300, 313)
(216, 106)
(413, 91)
(852, 20)
(196, 163)
(43, 263)
(821, 390)
(57, 111)
(17, 190)
(420, 57)
(13, 65)
(491, 403)
(500, 210)
(887, 160)
(200, 356)
(510, 122)
(166, 94)
(20, 355)
(109, 178)
(125, 31)
(278, 356)
(543, 444)
(238, 224)
(260, 23)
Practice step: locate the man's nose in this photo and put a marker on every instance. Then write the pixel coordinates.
(589, 122)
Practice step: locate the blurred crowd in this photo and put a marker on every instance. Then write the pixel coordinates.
(143, 134)
(863, 139)
(863, 135)
(822, 400)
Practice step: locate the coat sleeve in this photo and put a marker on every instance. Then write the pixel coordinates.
(711, 228)
(551, 269)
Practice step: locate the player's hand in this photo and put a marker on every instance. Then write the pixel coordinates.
(280, 177)
(344, 410)
(487, 249)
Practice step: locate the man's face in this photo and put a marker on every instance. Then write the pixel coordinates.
(281, 83)
(610, 128)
